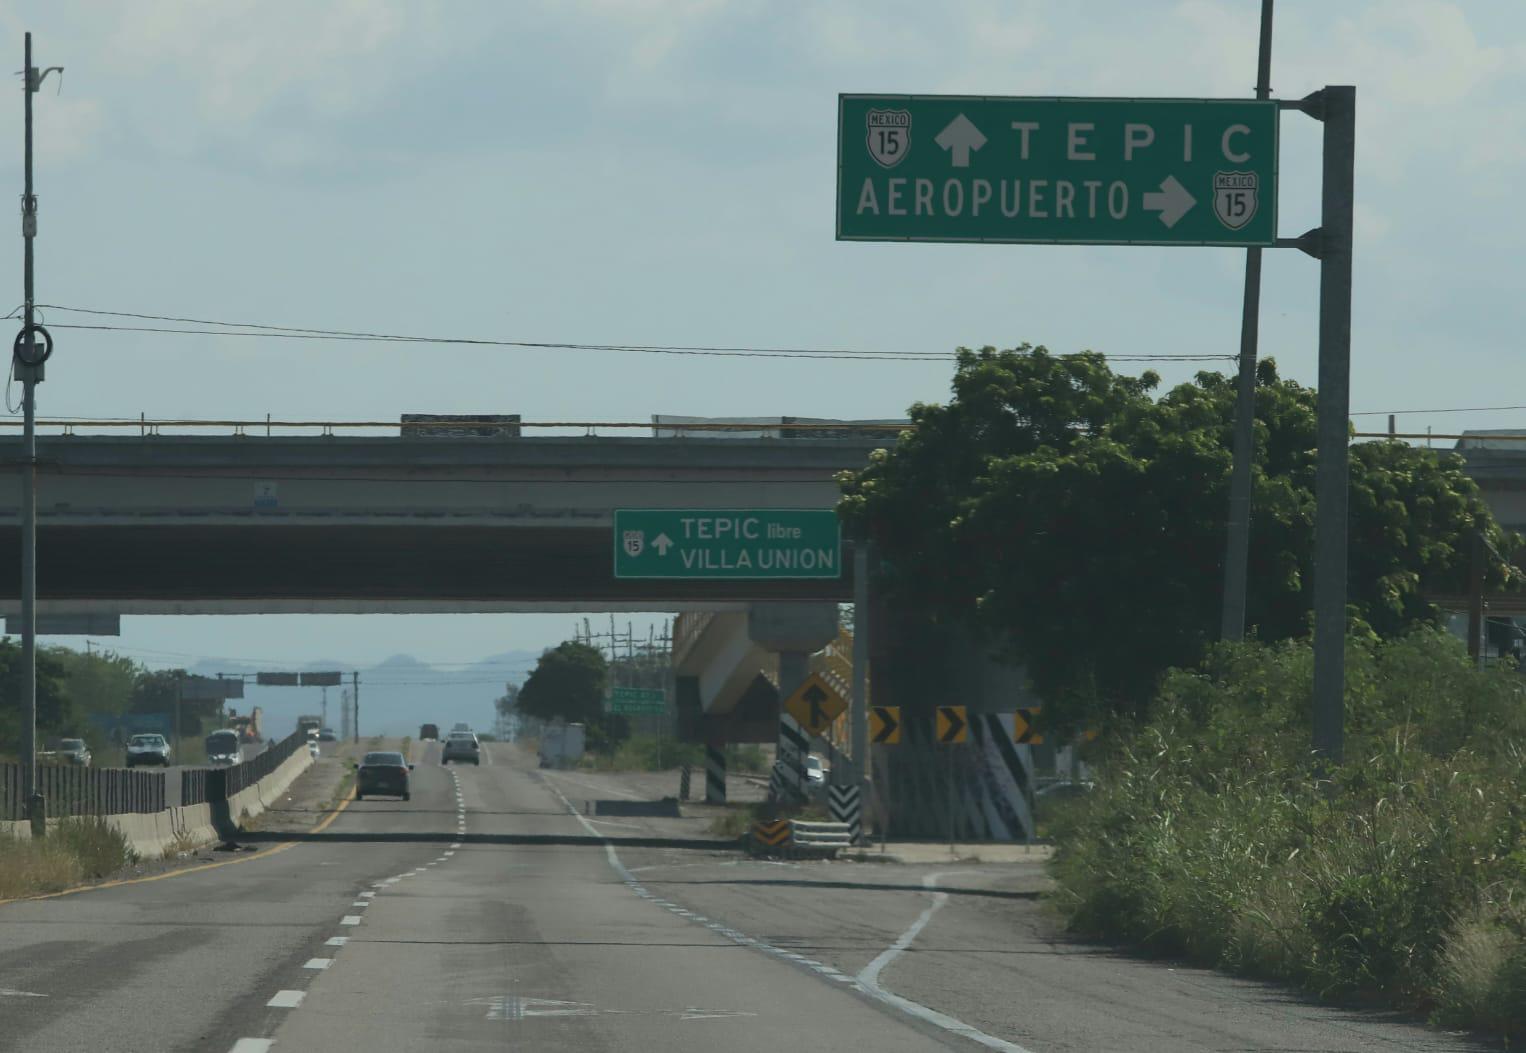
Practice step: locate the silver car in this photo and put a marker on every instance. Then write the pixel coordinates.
(461, 746)
(148, 749)
(74, 751)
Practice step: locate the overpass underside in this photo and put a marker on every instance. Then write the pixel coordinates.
(277, 569)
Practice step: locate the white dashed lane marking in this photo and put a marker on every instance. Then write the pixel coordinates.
(253, 1045)
(336, 941)
(350, 919)
(318, 963)
(287, 999)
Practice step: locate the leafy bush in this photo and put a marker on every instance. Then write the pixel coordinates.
(649, 753)
(1212, 833)
(749, 758)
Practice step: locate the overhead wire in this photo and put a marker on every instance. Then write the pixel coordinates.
(271, 331)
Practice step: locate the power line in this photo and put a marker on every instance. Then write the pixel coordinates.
(269, 331)
(1455, 409)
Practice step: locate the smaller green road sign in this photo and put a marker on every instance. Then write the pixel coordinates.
(637, 700)
(1056, 170)
(727, 544)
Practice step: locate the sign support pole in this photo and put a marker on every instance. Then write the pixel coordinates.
(858, 716)
(1337, 108)
(1237, 554)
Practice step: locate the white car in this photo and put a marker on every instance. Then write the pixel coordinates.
(148, 749)
(814, 772)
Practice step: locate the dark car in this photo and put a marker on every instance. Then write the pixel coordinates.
(327, 735)
(461, 746)
(429, 732)
(382, 773)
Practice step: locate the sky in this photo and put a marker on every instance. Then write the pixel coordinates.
(662, 172)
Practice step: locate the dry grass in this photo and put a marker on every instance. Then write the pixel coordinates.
(28, 867)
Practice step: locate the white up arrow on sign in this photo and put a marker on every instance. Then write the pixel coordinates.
(959, 138)
(662, 543)
(1172, 202)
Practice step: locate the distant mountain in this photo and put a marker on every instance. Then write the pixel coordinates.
(396, 695)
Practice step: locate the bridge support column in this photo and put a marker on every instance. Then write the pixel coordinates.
(795, 631)
(789, 784)
(715, 771)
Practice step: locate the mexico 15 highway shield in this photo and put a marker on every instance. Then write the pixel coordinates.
(1057, 170)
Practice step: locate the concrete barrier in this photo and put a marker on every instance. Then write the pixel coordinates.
(152, 834)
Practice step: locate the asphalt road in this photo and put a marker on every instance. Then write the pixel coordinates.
(504, 918)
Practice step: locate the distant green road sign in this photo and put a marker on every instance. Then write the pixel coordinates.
(727, 544)
(1049, 170)
(637, 700)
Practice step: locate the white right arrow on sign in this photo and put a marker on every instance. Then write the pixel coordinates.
(1172, 201)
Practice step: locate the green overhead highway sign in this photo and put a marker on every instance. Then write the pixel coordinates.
(1054, 170)
(732, 544)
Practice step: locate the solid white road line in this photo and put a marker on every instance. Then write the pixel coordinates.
(318, 963)
(287, 999)
(350, 919)
(867, 980)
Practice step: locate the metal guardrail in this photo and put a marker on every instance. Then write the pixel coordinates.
(804, 834)
(146, 425)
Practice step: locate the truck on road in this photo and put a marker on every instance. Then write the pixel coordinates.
(561, 745)
(310, 726)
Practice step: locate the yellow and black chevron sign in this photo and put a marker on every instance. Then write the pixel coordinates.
(952, 724)
(1023, 731)
(884, 725)
(771, 834)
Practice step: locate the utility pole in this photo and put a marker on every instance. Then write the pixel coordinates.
(355, 698)
(1237, 550)
(29, 357)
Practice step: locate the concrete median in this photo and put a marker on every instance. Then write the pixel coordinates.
(152, 834)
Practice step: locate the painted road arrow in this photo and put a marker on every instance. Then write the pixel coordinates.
(952, 724)
(959, 138)
(884, 725)
(1172, 201)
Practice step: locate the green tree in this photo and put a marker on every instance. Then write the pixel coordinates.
(56, 715)
(566, 684)
(1077, 522)
(508, 701)
(97, 683)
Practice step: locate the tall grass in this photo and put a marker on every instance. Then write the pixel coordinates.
(1402, 873)
(75, 850)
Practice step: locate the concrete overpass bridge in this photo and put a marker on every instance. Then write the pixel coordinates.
(246, 524)
(176, 524)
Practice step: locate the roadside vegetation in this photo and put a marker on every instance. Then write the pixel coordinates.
(75, 850)
(1213, 835)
